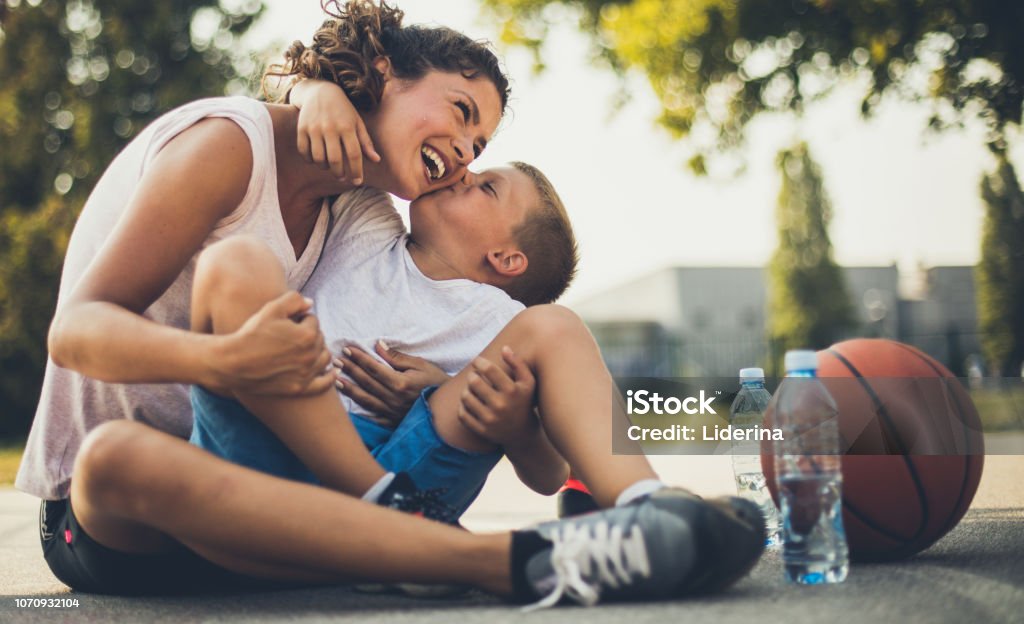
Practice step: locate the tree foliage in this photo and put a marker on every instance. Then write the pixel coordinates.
(78, 79)
(1000, 273)
(808, 305)
(715, 64)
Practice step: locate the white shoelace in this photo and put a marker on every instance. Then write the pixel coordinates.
(604, 555)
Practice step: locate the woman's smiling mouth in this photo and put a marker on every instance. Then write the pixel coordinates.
(434, 162)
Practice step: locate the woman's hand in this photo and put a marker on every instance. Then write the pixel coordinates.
(498, 402)
(331, 132)
(278, 351)
(388, 390)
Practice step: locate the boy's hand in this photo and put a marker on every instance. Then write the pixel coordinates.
(386, 389)
(331, 132)
(498, 402)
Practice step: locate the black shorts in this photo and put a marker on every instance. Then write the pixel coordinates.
(88, 566)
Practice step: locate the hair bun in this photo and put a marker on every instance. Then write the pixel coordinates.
(358, 32)
(306, 62)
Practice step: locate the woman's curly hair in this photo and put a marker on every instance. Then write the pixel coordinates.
(358, 32)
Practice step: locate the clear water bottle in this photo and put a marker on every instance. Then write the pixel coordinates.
(747, 413)
(807, 466)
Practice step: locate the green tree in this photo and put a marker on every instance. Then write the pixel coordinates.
(1000, 273)
(78, 80)
(808, 306)
(718, 63)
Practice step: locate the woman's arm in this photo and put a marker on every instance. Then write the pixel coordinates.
(387, 389)
(198, 178)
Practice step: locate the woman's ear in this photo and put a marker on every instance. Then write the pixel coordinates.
(508, 263)
(383, 65)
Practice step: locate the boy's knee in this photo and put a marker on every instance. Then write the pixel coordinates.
(235, 265)
(551, 323)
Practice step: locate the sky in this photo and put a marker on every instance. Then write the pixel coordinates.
(898, 194)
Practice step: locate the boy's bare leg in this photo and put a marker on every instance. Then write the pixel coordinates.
(234, 278)
(136, 488)
(575, 393)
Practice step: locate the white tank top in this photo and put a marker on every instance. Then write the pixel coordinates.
(71, 405)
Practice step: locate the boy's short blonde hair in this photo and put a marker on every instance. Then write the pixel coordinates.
(546, 237)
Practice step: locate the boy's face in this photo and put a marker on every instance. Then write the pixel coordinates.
(474, 217)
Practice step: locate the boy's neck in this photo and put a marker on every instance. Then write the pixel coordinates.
(434, 265)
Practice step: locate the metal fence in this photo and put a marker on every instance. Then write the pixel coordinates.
(724, 354)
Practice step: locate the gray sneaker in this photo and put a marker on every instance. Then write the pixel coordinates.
(668, 545)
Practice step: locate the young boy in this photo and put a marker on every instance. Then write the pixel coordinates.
(437, 293)
(429, 293)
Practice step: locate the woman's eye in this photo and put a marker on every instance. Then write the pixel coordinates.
(465, 110)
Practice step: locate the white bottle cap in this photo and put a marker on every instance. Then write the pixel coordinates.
(801, 360)
(751, 373)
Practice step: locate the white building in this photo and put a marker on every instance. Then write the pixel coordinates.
(690, 321)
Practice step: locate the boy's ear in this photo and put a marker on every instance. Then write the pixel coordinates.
(383, 65)
(508, 262)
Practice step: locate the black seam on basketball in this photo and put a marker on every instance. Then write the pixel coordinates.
(871, 524)
(947, 525)
(890, 427)
(884, 413)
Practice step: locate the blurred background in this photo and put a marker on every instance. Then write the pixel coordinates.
(744, 176)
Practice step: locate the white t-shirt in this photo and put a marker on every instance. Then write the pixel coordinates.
(367, 287)
(71, 405)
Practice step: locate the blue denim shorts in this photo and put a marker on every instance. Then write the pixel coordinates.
(226, 428)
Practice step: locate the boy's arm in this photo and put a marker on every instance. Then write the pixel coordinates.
(331, 131)
(498, 406)
(537, 463)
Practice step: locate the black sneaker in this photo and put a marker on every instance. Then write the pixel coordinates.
(403, 495)
(668, 545)
(575, 502)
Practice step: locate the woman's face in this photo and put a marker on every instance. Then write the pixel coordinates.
(427, 131)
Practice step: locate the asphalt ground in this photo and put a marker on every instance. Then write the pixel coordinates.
(975, 574)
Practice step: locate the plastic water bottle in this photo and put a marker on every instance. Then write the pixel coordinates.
(807, 466)
(747, 413)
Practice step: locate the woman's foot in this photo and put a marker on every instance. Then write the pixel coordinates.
(667, 545)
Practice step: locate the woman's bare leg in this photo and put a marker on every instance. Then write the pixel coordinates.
(579, 406)
(136, 488)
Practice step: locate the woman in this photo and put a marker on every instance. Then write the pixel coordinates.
(119, 342)
(120, 317)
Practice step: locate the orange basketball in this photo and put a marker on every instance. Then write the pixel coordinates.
(911, 441)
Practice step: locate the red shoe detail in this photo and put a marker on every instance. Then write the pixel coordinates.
(574, 484)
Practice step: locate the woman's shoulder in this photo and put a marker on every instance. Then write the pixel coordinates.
(237, 129)
(246, 113)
